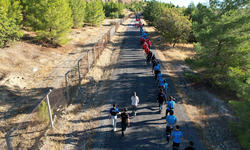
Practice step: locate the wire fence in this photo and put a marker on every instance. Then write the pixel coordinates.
(29, 133)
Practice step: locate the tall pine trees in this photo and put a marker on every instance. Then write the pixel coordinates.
(9, 22)
(173, 25)
(78, 12)
(51, 19)
(152, 12)
(94, 8)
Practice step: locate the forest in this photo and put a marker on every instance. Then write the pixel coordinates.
(220, 32)
(52, 20)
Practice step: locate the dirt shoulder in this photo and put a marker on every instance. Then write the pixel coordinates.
(75, 127)
(209, 110)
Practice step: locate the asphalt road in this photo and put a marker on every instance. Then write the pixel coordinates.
(147, 129)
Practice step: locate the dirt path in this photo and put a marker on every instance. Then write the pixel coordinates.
(209, 113)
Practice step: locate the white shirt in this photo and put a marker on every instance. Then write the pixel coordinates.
(135, 100)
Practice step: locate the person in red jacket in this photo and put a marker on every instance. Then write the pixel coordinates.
(142, 40)
(148, 42)
(147, 50)
(144, 45)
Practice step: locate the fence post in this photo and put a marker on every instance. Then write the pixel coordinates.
(79, 71)
(49, 110)
(99, 49)
(94, 55)
(88, 61)
(67, 86)
(8, 141)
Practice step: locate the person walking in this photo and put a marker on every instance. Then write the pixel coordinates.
(190, 146)
(170, 105)
(161, 82)
(156, 70)
(125, 120)
(177, 136)
(135, 102)
(113, 115)
(148, 58)
(171, 121)
(160, 99)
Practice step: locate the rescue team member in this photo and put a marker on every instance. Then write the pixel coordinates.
(148, 58)
(147, 50)
(161, 82)
(125, 120)
(177, 136)
(144, 45)
(149, 43)
(171, 121)
(160, 99)
(170, 105)
(113, 115)
(156, 70)
(153, 58)
(159, 75)
(154, 63)
(141, 39)
(135, 102)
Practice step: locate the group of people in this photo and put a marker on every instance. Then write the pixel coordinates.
(162, 97)
(138, 21)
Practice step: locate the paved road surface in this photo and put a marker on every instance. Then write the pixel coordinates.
(147, 130)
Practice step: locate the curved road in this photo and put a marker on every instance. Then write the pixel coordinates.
(147, 129)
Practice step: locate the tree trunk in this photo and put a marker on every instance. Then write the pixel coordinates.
(174, 42)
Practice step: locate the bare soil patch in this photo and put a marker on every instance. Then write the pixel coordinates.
(207, 107)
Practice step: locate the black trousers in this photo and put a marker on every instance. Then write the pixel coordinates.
(124, 126)
(176, 146)
(168, 132)
(156, 73)
(167, 111)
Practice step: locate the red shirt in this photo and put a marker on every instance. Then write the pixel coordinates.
(147, 40)
(147, 50)
(141, 39)
(145, 45)
(149, 43)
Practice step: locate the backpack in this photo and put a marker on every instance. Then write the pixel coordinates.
(171, 105)
(113, 112)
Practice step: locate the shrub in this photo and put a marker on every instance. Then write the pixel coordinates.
(42, 113)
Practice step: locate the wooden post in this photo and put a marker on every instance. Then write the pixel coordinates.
(8, 141)
(79, 71)
(88, 61)
(99, 49)
(67, 86)
(49, 110)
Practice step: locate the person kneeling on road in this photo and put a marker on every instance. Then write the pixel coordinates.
(171, 121)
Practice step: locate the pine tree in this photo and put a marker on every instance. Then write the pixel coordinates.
(9, 22)
(152, 12)
(173, 25)
(78, 12)
(50, 19)
(93, 10)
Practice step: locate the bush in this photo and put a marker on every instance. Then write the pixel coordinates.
(113, 15)
(121, 15)
(42, 113)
